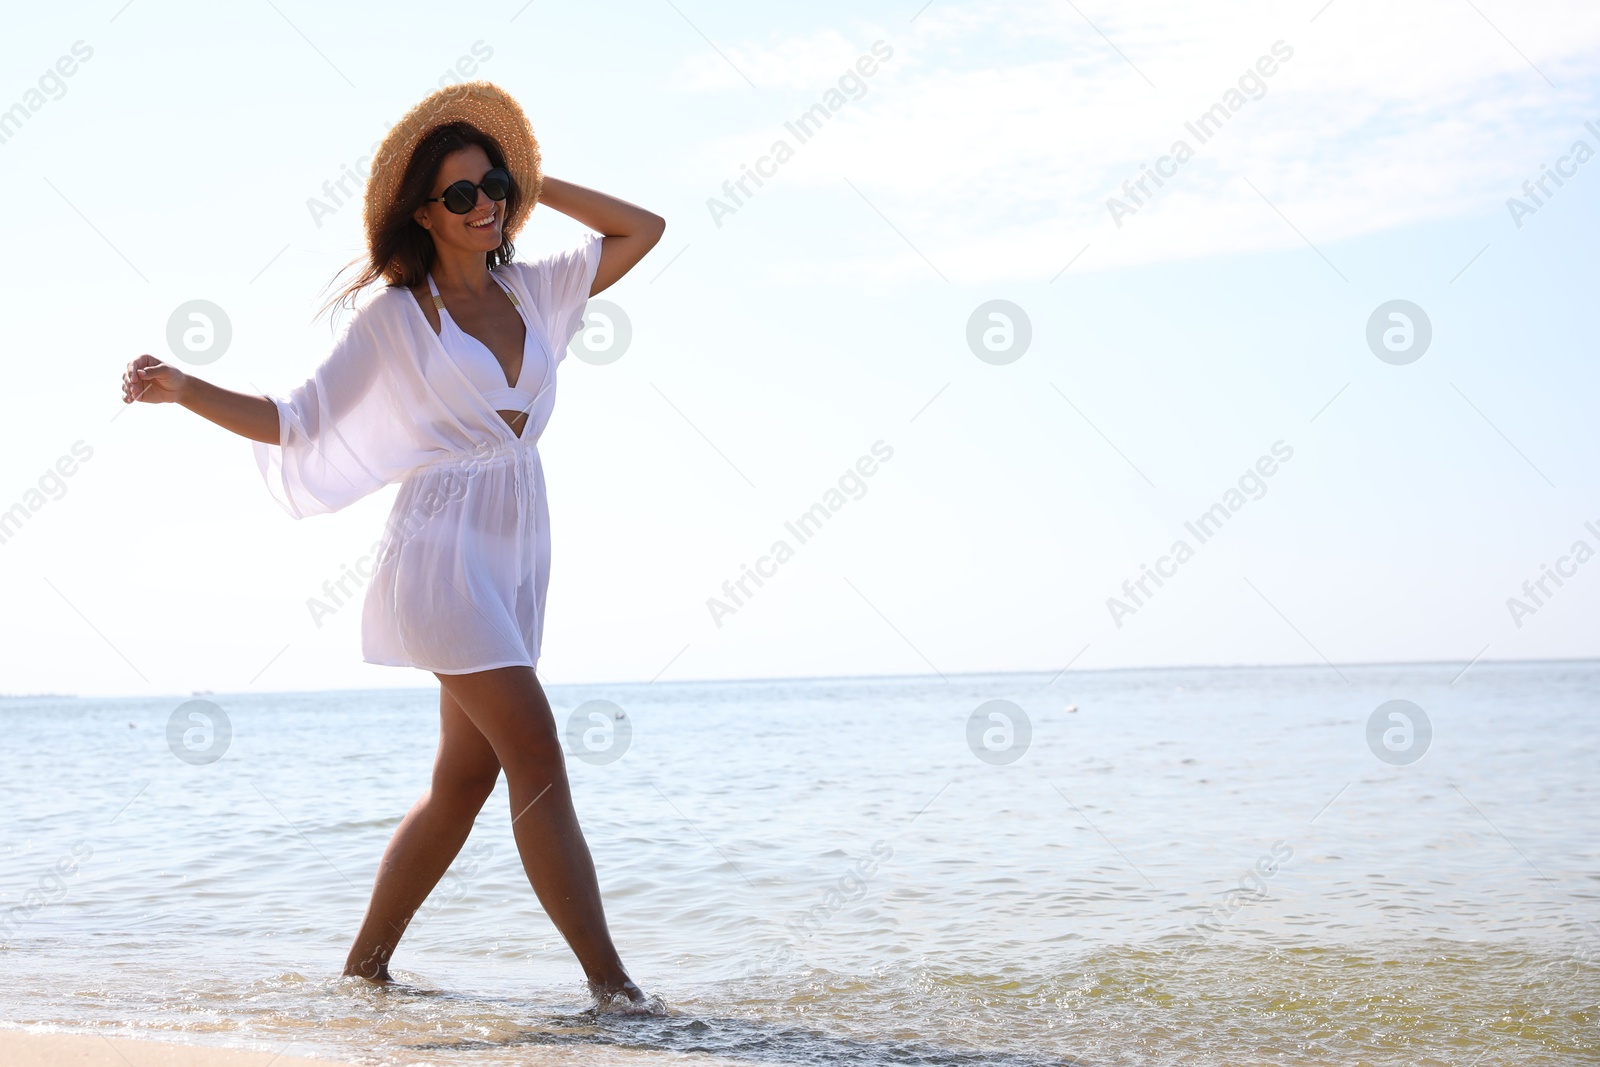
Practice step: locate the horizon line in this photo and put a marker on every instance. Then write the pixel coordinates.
(859, 677)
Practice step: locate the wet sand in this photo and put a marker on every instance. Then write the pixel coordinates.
(18, 1049)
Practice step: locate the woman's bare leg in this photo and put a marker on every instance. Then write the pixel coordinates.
(427, 840)
(508, 707)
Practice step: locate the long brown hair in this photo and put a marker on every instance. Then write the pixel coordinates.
(403, 252)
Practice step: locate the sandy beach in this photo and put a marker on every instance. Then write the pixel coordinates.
(18, 1049)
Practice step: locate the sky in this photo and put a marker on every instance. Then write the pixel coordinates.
(1058, 371)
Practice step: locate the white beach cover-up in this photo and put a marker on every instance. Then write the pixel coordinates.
(464, 560)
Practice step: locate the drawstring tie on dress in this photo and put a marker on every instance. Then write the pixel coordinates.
(519, 469)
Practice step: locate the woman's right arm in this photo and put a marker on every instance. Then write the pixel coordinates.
(150, 381)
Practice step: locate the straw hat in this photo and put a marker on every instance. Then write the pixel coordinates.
(481, 104)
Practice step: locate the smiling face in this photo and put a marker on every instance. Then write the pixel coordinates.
(479, 229)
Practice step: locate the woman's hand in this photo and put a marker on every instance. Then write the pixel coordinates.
(154, 382)
(151, 381)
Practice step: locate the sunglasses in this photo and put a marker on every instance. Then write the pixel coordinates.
(462, 196)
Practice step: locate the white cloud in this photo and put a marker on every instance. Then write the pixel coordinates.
(998, 131)
(804, 63)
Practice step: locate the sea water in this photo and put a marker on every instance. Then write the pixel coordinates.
(1196, 866)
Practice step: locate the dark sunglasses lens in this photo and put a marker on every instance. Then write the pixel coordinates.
(496, 184)
(460, 197)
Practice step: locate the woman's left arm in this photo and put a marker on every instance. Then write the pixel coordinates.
(630, 231)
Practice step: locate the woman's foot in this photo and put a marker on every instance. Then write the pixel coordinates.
(377, 975)
(624, 998)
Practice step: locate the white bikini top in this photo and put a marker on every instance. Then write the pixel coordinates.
(479, 364)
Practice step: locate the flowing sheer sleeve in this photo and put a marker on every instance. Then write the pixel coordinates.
(560, 283)
(341, 432)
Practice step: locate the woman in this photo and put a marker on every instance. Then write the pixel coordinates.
(442, 383)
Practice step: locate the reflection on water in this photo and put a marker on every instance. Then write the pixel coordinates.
(1196, 867)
